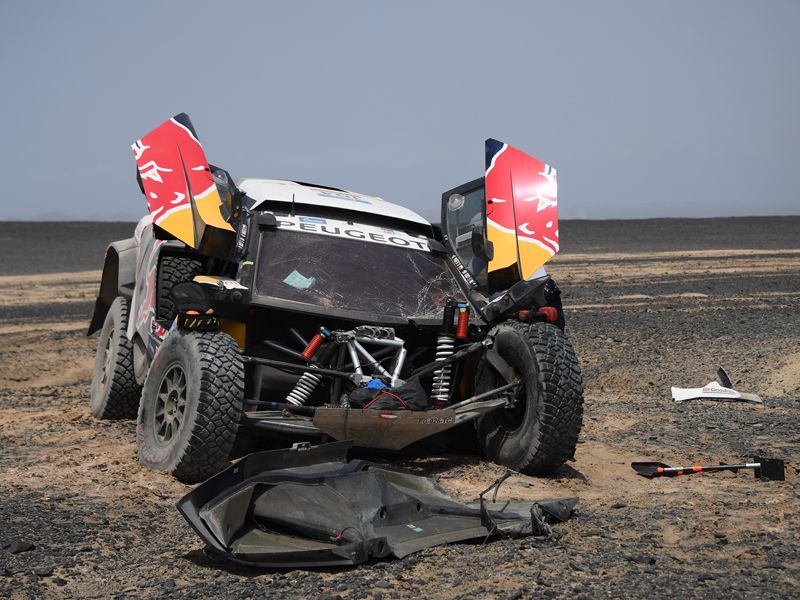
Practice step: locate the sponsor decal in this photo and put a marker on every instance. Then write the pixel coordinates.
(158, 330)
(174, 173)
(344, 196)
(242, 237)
(521, 208)
(719, 390)
(354, 231)
(465, 274)
(435, 420)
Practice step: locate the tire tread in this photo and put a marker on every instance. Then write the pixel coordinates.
(561, 388)
(213, 434)
(174, 269)
(122, 401)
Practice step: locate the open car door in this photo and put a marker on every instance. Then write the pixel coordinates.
(180, 189)
(503, 227)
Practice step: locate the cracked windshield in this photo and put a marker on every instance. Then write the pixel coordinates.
(349, 274)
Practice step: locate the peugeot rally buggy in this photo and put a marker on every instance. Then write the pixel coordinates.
(284, 310)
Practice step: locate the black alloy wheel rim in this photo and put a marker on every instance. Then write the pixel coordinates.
(108, 353)
(170, 404)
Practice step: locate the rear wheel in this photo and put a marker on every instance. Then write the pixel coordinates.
(171, 271)
(540, 431)
(191, 405)
(114, 392)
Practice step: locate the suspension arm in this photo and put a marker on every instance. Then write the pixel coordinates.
(295, 368)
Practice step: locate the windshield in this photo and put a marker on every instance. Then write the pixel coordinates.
(346, 273)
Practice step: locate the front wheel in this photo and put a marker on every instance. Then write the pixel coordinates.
(540, 431)
(191, 405)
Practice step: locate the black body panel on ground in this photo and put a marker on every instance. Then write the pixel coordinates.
(310, 507)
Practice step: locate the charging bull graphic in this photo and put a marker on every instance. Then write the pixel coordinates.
(177, 181)
(521, 209)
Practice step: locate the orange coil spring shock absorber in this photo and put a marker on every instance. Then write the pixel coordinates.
(315, 343)
(463, 321)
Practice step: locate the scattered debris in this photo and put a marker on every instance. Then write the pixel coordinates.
(770, 469)
(310, 507)
(715, 390)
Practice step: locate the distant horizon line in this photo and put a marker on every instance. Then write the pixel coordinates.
(133, 221)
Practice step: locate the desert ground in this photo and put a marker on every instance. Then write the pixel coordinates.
(650, 304)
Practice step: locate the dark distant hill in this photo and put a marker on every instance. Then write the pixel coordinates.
(660, 235)
(52, 247)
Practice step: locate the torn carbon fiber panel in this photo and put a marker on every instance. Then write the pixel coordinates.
(310, 507)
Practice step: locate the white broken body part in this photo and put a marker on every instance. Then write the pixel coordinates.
(713, 390)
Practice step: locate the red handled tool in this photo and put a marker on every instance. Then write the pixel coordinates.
(768, 468)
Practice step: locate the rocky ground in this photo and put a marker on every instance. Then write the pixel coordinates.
(650, 304)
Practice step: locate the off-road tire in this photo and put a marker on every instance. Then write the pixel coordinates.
(171, 271)
(206, 430)
(114, 393)
(543, 435)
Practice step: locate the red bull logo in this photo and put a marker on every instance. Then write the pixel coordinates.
(521, 209)
(177, 181)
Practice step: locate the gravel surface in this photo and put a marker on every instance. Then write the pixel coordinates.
(650, 304)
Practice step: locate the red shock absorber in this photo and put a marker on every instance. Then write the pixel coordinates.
(463, 321)
(315, 343)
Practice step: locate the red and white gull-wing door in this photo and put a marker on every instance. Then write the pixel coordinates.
(503, 227)
(176, 180)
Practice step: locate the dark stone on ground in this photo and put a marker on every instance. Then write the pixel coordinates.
(45, 571)
(642, 560)
(19, 546)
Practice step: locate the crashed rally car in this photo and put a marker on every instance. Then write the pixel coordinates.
(286, 311)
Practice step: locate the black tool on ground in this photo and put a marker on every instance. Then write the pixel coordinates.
(766, 468)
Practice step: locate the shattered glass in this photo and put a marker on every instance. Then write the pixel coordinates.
(349, 274)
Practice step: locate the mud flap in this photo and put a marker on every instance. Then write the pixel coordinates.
(181, 192)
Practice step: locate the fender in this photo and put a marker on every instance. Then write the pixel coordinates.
(119, 277)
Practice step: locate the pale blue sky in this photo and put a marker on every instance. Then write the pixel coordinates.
(646, 108)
